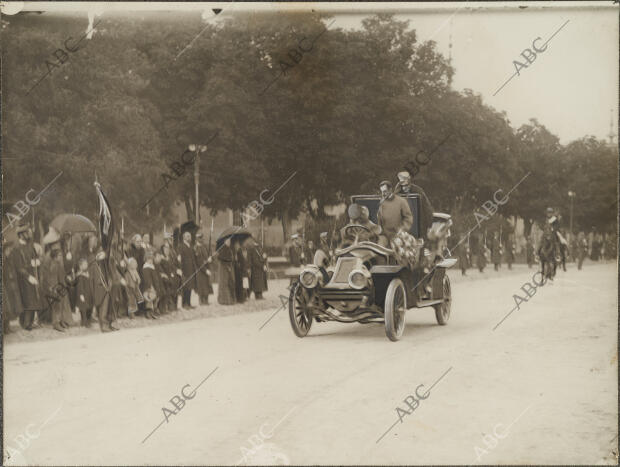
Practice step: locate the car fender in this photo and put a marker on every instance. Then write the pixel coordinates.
(446, 263)
(382, 275)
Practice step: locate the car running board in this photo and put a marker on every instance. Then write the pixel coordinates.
(425, 303)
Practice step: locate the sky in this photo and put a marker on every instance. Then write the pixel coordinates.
(571, 87)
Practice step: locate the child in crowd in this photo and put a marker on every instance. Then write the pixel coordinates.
(84, 293)
(134, 296)
(150, 286)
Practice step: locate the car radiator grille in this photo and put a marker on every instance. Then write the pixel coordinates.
(346, 266)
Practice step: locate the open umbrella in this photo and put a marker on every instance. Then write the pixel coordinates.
(234, 232)
(72, 223)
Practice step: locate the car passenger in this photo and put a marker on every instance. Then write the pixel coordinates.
(394, 212)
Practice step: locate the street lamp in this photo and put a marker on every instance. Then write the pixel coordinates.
(197, 148)
(571, 195)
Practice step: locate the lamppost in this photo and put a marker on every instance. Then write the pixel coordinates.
(571, 195)
(197, 148)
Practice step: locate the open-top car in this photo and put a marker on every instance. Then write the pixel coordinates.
(370, 282)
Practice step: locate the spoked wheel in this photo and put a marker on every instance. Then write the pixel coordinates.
(442, 311)
(395, 308)
(298, 310)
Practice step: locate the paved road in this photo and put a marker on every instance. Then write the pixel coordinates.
(544, 381)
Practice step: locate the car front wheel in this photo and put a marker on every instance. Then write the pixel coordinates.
(298, 310)
(395, 308)
(442, 311)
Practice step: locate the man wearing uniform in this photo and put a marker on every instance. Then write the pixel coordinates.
(406, 186)
(511, 251)
(496, 252)
(529, 252)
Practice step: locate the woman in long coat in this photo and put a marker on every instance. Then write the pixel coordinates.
(226, 275)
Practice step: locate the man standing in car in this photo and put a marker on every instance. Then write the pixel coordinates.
(394, 212)
(406, 186)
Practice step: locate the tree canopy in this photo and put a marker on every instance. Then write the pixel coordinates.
(343, 109)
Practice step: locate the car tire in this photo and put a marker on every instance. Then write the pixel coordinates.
(442, 311)
(394, 309)
(301, 320)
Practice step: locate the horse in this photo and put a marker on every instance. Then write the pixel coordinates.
(548, 256)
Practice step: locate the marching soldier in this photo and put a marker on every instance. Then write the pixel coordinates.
(529, 252)
(511, 251)
(582, 249)
(496, 252)
(463, 256)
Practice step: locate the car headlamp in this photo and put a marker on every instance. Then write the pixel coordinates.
(358, 279)
(309, 278)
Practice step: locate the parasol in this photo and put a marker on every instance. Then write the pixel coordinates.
(234, 232)
(72, 223)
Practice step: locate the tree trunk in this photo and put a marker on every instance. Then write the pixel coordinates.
(285, 226)
(189, 208)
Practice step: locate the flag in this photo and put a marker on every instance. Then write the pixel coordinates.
(106, 222)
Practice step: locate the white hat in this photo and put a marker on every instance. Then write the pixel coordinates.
(294, 236)
(51, 237)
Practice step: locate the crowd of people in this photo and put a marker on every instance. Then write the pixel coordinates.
(73, 275)
(478, 253)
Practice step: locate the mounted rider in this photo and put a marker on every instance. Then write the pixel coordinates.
(552, 224)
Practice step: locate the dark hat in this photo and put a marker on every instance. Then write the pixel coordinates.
(386, 182)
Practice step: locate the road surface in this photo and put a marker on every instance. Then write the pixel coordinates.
(541, 388)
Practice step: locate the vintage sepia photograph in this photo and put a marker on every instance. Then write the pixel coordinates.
(309, 233)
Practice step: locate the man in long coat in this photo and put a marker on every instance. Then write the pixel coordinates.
(174, 265)
(189, 269)
(406, 186)
(26, 265)
(394, 212)
(226, 278)
(204, 275)
(258, 268)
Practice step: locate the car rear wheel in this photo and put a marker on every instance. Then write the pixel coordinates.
(395, 308)
(298, 311)
(442, 311)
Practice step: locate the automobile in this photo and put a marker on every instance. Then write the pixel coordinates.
(368, 283)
